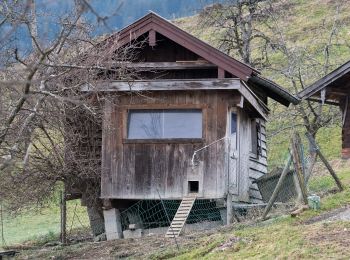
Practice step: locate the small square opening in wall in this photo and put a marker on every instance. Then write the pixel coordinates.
(193, 186)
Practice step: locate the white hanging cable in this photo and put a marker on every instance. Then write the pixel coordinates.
(204, 147)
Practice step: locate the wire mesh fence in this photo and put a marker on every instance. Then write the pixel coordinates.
(156, 213)
(40, 226)
(297, 182)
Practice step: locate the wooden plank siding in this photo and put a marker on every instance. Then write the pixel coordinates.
(138, 170)
(244, 137)
(258, 165)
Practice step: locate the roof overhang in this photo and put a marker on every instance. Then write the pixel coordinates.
(274, 91)
(328, 83)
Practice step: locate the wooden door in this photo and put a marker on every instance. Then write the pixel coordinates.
(233, 153)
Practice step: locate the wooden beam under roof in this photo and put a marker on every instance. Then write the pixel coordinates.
(328, 102)
(326, 81)
(178, 65)
(165, 84)
(152, 38)
(337, 93)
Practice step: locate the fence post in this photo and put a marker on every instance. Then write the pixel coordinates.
(229, 208)
(63, 207)
(324, 160)
(278, 187)
(2, 226)
(296, 146)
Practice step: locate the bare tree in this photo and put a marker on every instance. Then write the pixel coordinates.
(239, 26)
(251, 31)
(50, 131)
(303, 64)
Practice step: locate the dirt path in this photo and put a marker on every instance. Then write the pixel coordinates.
(334, 215)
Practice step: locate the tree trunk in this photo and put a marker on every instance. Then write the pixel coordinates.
(97, 223)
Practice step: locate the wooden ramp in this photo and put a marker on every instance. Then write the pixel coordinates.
(181, 215)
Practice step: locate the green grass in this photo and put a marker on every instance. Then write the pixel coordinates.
(321, 184)
(39, 226)
(329, 140)
(285, 237)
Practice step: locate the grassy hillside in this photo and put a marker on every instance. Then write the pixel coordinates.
(305, 25)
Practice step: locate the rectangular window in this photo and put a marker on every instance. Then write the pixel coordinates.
(233, 123)
(256, 137)
(164, 123)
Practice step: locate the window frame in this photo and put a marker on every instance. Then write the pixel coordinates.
(229, 125)
(255, 150)
(202, 108)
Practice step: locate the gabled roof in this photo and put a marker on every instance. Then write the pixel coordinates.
(326, 81)
(245, 72)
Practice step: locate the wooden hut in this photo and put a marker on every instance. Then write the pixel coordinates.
(334, 89)
(198, 126)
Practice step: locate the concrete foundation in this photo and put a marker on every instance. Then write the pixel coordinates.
(113, 225)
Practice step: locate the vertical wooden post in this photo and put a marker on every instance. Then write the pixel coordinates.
(324, 160)
(229, 208)
(152, 38)
(63, 218)
(2, 226)
(330, 169)
(297, 160)
(221, 73)
(278, 187)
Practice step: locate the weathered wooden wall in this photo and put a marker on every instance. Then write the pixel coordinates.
(251, 166)
(136, 170)
(165, 50)
(345, 107)
(169, 51)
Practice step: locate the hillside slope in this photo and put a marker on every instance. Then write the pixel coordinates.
(305, 25)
